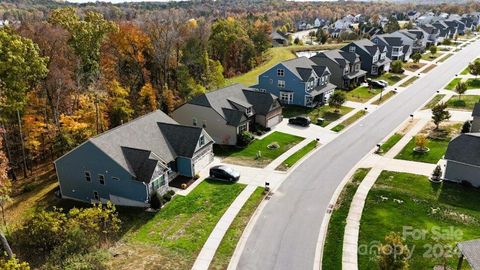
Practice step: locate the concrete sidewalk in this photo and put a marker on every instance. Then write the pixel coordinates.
(207, 253)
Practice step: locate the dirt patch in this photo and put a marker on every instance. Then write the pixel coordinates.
(446, 130)
(407, 126)
(247, 161)
(128, 256)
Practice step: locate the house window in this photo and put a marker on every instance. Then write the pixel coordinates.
(286, 97)
(242, 128)
(248, 111)
(95, 196)
(88, 178)
(194, 121)
(374, 69)
(280, 72)
(351, 49)
(115, 178)
(101, 179)
(281, 84)
(204, 125)
(201, 141)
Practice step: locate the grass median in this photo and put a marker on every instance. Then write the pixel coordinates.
(349, 121)
(295, 157)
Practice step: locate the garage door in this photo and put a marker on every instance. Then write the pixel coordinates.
(202, 161)
(274, 120)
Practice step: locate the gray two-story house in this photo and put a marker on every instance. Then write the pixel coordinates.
(420, 39)
(131, 163)
(373, 57)
(399, 46)
(227, 112)
(433, 34)
(344, 66)
(299, 81)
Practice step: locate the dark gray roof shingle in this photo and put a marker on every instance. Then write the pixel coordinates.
(465, 148)
(471, 250)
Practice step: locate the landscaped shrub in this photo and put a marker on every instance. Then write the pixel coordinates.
(245, 138)
(397, 66)
(437, 174)
(29, 187)
(467, 126)
(167, 197)
(171, 192)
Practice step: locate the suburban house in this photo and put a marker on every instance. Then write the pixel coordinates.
(299, 81)
(463, 159)
(399, 46)
(413, 15)
(444, 30)
(373, 57)
(227, 112)
(344, 66)
(433, 34)
(278, 39)
(130, 164)
(476, 118)
(420, 41)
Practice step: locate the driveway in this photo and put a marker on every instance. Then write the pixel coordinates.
(311, 132)
(286, 232)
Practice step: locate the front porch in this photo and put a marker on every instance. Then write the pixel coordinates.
(351, 81)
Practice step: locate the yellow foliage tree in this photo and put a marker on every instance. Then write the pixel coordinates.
(147, 100)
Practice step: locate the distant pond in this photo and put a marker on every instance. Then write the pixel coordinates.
(307, 53)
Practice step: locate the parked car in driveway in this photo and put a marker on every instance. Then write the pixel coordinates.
(303, 121)
(224, 173)
(377, 83)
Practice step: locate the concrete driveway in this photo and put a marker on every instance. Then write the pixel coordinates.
(311, 132)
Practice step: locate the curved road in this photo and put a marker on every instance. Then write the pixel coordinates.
(286, 232)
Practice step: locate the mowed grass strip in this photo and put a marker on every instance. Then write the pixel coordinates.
(232, 236)
(386, 146)
(398, 200)
(326, 112)
(409, 81)
(451, 85)
(248, 154)
(362, 94)
(332, 252)
(465, 102)
(349, 121)
(391, 78)
(295, 157)
(427, 69)
(184, 224)
(384, 98)
(433, 101)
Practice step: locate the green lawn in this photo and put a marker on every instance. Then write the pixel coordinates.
(451, 85)
(466, 102)
(386, 146)
(248, 155)
(332, 252)
(391, 78)
(429, 57)
(411, 66)
(362, 94)
(409, 81)
(347, 122)
(466, 71)
(274, 55)
(411, 202)
(326, 112)
(232, 236)
(291, 160)
(433, 101)
(437, 145)
(181, 228)
(473, 84)
(384, 98)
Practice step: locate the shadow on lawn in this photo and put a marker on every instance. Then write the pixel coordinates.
(459, 195)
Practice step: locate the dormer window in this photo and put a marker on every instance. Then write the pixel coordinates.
(248, 111)
(351, 49)
(280, 72)
(201, 141)
(194, 121)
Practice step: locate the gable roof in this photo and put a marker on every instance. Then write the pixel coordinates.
(155, 138)
(367, 46)
(338, 56)
(465, 148)
(471, 250)
(225, 102)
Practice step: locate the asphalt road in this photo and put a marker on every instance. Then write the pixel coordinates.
(285, 234)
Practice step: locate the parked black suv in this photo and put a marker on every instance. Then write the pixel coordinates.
(303, 121)
(224, 173)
